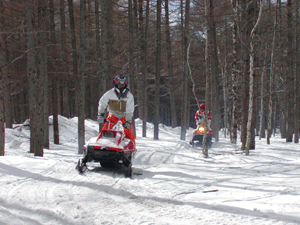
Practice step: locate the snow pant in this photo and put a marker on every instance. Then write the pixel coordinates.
(128, 132)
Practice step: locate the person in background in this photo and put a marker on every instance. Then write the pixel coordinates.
(119, 103)
(199, 117)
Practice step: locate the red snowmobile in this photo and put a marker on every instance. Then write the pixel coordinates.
(111, 149)
(198, 135)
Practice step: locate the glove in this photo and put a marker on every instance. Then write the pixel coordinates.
(126, 125)
(100, 118)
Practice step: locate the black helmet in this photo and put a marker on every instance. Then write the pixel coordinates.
(120, 79)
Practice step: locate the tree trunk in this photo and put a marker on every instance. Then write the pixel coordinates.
(271, 82)
(2, 84)
(251, 84)
(99, 89)
(184, 122)
(290, 74)
(145, 94)
(157, 70)
(140, 60)
(297, 75)
(215, 109)
(31, 71)
(246, 23)
(65, 65)
(170, 68)
(262, 132)
(207, 71)
(234, 74)
(53, 74)
(41, 82)
(74, 54)
(81, 77)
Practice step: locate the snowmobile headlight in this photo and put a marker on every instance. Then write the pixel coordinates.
(201, 129)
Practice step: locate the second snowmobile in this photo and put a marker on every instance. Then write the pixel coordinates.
(198, 135)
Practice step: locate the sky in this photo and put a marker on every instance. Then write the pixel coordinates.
(172, 183)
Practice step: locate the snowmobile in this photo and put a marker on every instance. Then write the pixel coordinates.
(198, 135)
(111, 148)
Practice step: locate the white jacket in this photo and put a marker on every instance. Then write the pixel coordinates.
(119, 107)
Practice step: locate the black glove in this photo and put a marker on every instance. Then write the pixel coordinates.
(126, 125)
(100, 118)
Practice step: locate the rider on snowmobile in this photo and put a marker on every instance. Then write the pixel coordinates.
(119, 103)
(199, 117)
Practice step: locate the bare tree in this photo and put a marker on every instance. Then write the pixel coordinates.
(31, 70)
(215, 71)
(2, 65)
(271, 82)
(43, 26)
(207, 70)
(74, 48)
(262, 129)
(64, 59)
(145, 94)
(53, 73)
(157, 70)
(170, 67)
(41, 81)
(184, 123)
(297, 75)
(234, 74)
(290, 74)
(81, 77)
(251, 84)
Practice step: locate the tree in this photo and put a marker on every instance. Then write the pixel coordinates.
(170, 67)
(290, 74)
(31, 71)
(2, 66)
(64, 62)
(297, 76)
(271, 82)
(81, 77)
(184, 123)
(74, 50)
(53, 73)
(157, 70)
(251, 84)
(145, 93)
(41, 83)
(234, 74)
(215, 71)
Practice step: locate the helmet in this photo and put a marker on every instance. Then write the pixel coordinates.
(120, 79)
(202, 106)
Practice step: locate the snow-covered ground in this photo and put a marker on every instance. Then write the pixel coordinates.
(175, 185)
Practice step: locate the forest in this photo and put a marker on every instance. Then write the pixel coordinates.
(240, 58)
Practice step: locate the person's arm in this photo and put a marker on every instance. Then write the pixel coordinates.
(129, 107)
(103, 102)
(196, 116)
